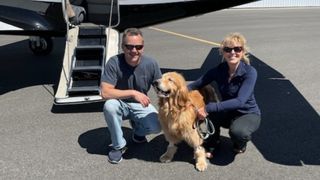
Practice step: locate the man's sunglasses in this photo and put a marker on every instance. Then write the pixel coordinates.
(236, 49)
(130, 47)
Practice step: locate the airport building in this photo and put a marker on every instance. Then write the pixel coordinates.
(282, 3)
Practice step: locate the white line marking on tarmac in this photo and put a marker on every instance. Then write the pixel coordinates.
(185, 36)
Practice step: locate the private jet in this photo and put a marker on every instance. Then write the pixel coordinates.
(93, 35)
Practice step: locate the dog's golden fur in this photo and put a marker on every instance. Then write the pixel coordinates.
(177, 114)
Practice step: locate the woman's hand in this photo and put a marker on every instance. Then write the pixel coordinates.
(202, 113)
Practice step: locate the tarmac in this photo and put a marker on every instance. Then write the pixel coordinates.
(40, 140)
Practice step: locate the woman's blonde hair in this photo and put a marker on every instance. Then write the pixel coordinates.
(238, 38)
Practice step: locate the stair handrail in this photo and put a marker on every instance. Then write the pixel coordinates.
(66, 19)
(110, 24)
(111, 12)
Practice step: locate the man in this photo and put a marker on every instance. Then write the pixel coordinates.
(126, 79)
(74, 13)
(70, 13)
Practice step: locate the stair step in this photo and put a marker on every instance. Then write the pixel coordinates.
(86, 75)
(92, 31)
(84, 90)
(91, 41)
(87, 68)
(84, 87)
(92, 35)
(88, 56)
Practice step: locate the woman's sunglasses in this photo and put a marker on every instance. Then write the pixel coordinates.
(236, 49)
(130, 47)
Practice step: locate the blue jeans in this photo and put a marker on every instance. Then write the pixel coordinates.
(145, 119)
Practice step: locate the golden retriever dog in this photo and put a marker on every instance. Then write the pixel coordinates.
(177, 114)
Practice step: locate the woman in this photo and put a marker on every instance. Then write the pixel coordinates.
(237, 110)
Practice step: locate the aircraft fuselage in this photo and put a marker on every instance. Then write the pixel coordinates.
(34, 18)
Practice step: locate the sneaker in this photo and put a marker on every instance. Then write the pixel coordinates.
(115, 155)
(139, 139)
(239, 150)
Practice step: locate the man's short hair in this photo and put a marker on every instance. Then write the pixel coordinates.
(131, 32)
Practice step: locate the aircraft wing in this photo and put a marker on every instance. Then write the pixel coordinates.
(39, 19)
(33, 18)
(24, 18)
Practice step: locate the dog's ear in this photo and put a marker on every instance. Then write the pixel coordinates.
(182, 96)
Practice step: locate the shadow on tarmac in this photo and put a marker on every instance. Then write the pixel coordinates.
(97, 141)
(289, 132)
(20, 68)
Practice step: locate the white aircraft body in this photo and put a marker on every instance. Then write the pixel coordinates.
(94, 35)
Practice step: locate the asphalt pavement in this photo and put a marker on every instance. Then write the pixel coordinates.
(40, 140)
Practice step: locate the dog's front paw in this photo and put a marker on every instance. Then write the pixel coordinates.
(165, 158)
(201, 166)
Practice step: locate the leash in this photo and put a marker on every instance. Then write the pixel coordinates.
(209, 128)
(205, 132)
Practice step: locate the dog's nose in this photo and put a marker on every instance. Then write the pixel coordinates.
(155, 83)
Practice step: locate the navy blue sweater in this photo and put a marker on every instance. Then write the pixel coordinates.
(238, 94)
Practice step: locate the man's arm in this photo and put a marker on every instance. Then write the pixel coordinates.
(108, 91)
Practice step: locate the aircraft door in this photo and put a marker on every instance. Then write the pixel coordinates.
(104, 12)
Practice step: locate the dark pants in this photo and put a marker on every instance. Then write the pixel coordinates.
(241, 126)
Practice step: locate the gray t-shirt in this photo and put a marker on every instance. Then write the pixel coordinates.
(123, 76)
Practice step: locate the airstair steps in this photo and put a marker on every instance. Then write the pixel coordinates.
(88, 47)
(83, 63)
(87, 62)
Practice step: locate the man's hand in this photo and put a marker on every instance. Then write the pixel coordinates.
(142, 98)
